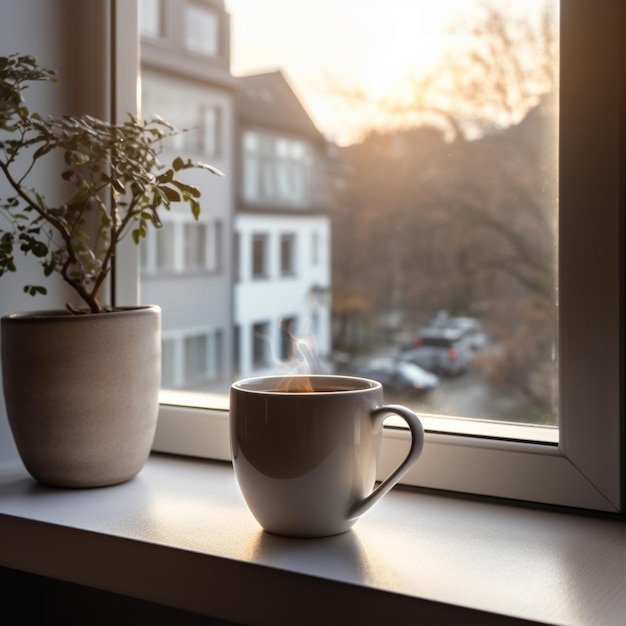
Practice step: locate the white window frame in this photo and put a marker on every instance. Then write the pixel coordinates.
(277, 169)
(178, 227)
(585, 468)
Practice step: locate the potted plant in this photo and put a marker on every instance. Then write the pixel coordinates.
(81, 384)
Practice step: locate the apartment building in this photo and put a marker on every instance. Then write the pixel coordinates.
(282, 232)
(246, 289)
(186, 268)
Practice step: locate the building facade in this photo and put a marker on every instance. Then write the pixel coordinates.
(282, 231)
(187, 266)
(246, 289)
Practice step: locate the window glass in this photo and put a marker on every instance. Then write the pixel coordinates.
(260, 344)
(168, 363)
(166, 247)
(196, 361)
(287, 338)
(287, 252)
(210, 131)
(236, 257)
(277, 169)
(201, 30)
(214, 254)
(150, 18)
(418, 172)
(195, 245)
(259, 256)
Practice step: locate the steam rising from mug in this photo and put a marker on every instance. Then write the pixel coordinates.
(304, 361)
(306, 450)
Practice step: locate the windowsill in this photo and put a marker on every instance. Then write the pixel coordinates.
(180, 535)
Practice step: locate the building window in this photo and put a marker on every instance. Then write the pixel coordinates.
(201, 30)
(288, 255)
(196, 358)
(210, 126)
(168, 363)
(261, 344)
(192, 358)
(277, 169)
(195, 245)
(236, 256)
(260, 256)
(236, 350)
(288, 334)
(183, 246)
(151, 18)
(202, 130)
(217, 354)
(315, 248)
(215, 245)
(166, 247)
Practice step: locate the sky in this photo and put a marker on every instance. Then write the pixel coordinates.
(353, 43)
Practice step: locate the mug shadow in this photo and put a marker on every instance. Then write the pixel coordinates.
(341, 556)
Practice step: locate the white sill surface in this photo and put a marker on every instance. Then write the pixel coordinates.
(179, 534)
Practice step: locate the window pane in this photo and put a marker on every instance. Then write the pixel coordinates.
(287, 254)
(260, 344)
(195, 246)
(210, 131)
(410, 179)
(287, 338)
(259, 256)
(166, 247)
(201, 30)
(150, 18)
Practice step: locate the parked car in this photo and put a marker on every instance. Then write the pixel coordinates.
(398, 376)
(470, 328)
(446, 351)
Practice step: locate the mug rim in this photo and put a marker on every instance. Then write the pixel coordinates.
(366, 384)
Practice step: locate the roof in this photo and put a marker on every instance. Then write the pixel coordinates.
(267, 100)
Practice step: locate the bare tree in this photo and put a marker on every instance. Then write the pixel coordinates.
(505, 67)
(464, 213)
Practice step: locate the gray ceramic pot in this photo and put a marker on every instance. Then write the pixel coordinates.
(81, 392)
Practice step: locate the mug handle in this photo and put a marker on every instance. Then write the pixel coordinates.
(417, 444)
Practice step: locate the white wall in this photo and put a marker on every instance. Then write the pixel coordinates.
(276, 297)
(68, 36)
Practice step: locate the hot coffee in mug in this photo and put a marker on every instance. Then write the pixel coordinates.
(306, 450)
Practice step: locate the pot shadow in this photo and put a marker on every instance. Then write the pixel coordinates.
(31, 487)
(15, 480)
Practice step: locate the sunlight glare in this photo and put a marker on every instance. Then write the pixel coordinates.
(367, 46)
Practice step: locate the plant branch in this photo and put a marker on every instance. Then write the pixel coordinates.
(99, 156)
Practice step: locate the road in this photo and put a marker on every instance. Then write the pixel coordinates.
(465, 396)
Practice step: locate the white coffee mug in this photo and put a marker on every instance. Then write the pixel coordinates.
(306, 450)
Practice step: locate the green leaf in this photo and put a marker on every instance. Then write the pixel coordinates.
(195, 208)
(192, 190)
(42, 151)
(166, 177)
(33, 290)
(30, 244)
(117, 185)
(74, 157)
(171, 194)
(139, 233)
